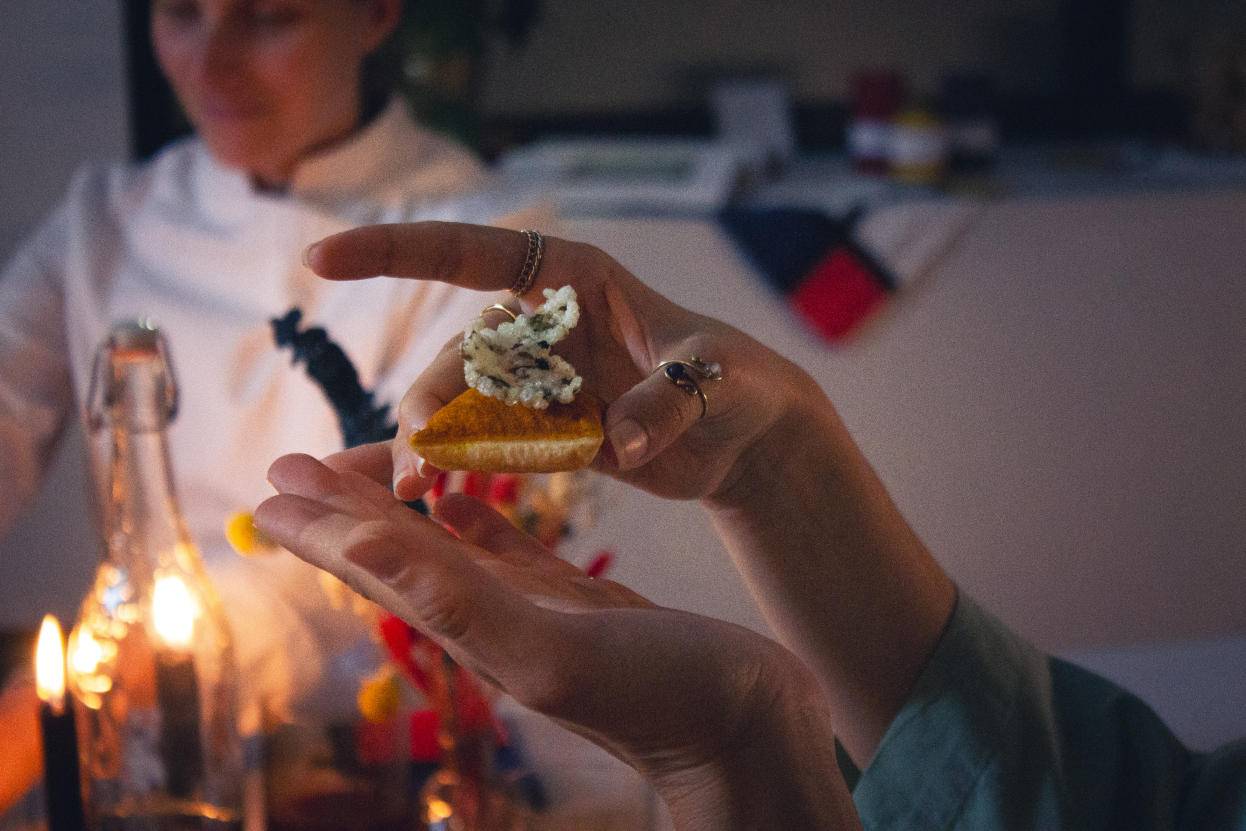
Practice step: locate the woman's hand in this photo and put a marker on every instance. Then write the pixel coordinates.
(841, 577)
(730, 728)
(656, 437)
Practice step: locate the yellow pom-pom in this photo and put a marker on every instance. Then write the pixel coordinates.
(379, 698)
(245, 538)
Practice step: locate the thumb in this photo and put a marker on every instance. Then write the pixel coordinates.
(648, 418)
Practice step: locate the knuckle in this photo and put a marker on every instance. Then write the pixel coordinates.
(676, 405)
(389, 249)
(446, 261)
(440, 607)
(443, 614)
(553, 688)
(370, 546)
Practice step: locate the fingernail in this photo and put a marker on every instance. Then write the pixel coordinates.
(307, 254)
(629, 441)
(404, 468)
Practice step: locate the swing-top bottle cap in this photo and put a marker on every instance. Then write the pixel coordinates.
(132, 384)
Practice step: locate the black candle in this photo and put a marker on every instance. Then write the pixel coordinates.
(177, 688)
(62, 780)
(181, 745)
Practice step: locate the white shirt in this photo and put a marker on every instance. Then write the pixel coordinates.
(191, 245)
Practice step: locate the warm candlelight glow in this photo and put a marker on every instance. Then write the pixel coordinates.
(86, 657)
(87, 653)
(173, 611)
(50, 664)
(438, 809)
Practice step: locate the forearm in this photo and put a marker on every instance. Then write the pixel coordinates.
(841, 577)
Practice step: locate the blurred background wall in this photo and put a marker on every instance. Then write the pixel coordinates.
(62, 102)
(638, 56)
(634, 54)
(1063, 67)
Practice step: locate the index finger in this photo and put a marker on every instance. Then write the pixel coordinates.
(479, 257)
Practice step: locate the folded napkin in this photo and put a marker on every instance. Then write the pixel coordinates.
(911, 238)
(837, 272)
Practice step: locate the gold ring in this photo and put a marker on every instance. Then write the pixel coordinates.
(531, 263)
(685, 374)
(498, 307)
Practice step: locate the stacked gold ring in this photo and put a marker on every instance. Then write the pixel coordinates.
(531, 263)
(498, 307)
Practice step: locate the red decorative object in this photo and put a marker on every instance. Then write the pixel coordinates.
(839, 294)
(876, 100)
(600, 564)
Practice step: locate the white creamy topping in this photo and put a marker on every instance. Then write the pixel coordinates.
(513, 361)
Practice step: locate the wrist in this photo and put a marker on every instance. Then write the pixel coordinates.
(778, 770)
(795, 446)
(843, 580)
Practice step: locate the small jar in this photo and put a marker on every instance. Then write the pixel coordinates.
(967, 107)
(876, 99)
(918, 148)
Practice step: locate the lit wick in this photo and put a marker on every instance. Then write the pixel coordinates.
(177, 688)
(62, 780)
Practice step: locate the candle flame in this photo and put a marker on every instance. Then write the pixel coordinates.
(50, 664)
(173, 611)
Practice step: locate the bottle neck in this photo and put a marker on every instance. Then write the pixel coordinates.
(144, 518)
(134, 402)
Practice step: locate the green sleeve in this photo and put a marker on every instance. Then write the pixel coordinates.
(998, 735)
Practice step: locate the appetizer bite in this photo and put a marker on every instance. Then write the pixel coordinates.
(525, 411)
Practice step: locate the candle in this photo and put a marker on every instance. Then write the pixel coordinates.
(62, 782)
(177, 688)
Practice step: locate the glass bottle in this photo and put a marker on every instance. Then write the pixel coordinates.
(150, 660)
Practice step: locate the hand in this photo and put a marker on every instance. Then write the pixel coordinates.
(841, 577)
(729, 727)
(656, 438)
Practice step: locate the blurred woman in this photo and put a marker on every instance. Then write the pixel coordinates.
(206, 239)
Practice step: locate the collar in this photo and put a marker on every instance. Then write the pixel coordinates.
(359, 165)
(346, 173)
